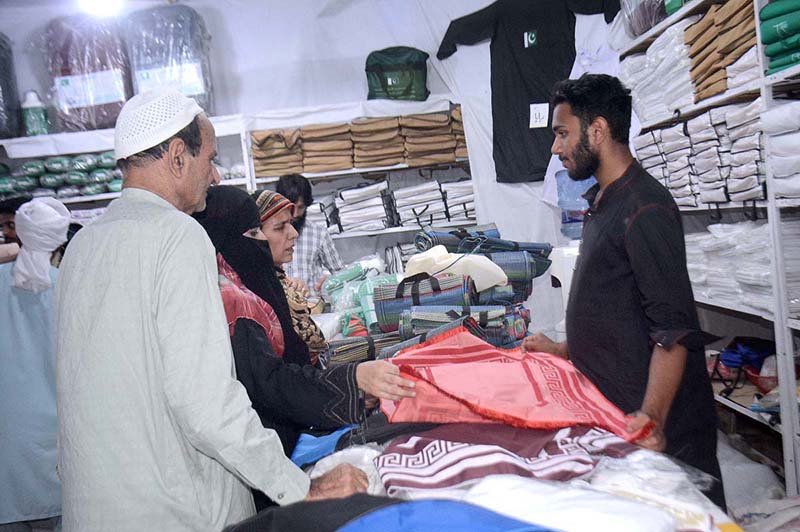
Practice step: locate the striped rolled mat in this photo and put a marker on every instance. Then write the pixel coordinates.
(488, 244)
(419, 290)
(497, 295)
(467, 322)
(502, 325)
(520, 266)
(451, 238)
(359, 349)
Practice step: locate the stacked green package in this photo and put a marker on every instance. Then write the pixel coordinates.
(93, 188)
(780, 31)
(106, 160)
(100, 175)
(32, 168)
(51, 180)
(23, 183)
(115, 185)
(85, 163)
(56, 165)
(6, 184)
(76, 178)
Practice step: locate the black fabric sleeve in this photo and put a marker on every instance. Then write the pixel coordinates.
(655, 247)
(469, 29)
(284, 393)
(609, 8)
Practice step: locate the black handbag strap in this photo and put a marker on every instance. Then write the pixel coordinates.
(415, 280)
(370, 347)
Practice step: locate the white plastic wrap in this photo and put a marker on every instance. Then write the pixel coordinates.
(89, 69)
(170, 45)
(641, 15)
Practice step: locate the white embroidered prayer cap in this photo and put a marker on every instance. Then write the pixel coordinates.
(150, 118)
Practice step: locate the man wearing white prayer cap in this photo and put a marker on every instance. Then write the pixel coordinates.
(155, 432)
(28, 374)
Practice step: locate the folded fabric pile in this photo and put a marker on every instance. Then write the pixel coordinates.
(323, 212)
(744, 70)
(362, 208)
(277, 152)
(723, 35)
(743, 124)
(780, 33)
(327, 147)
(359, 349)
(460, 199)
(710, 159)
(659, 79)
(397, 256)
(682, 177)
(393, 298)
(458, 132)
(420, 204)
(504, 326)
(377, 142)
(730, 264)
(782, 124)
(428, 139)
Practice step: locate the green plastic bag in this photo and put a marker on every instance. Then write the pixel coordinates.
(25, 183)
(101, 175)
(76, 177)
(397, 73)
(32, 168)
(789, 44)
(791, 58)
(6, 185)
(57, 165)
(115, 185)
(776, 9)
(85, 163)
(106, 160)
(93, 188)
(51, 180)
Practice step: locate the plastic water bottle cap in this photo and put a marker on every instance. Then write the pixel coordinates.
(32, 100)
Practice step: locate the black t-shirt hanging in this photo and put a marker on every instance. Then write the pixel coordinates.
(533, 47)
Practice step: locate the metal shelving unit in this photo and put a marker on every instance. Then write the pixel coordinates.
(784, 325)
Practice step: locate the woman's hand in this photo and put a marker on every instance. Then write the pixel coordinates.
(382, 379)
(541, 343)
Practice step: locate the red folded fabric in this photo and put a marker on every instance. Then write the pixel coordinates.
(460, 378)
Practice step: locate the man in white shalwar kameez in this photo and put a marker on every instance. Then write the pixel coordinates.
(155, 432)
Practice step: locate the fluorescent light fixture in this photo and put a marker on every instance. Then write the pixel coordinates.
(101, 8)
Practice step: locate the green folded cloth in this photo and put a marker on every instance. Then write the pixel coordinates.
(776, 9)
(785, 59)
(775, 70)
(780, 27)
(789, 44)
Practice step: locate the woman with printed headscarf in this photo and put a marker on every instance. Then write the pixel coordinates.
(272, 362)
(27, 378)
(275, 212)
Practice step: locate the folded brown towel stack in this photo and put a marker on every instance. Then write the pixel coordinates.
(458, 132)
(277, 152)
(716, 41)
(327, 147)
(429, 138)
(376, 142)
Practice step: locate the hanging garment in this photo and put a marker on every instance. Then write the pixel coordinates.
(520, 389)
(533, 47)
(462, 454)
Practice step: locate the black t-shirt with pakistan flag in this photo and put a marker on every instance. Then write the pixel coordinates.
(533, 47)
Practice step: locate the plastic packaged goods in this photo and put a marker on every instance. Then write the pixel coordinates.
(9, 97)
(641, 15)
(89, 68)
(169, 44)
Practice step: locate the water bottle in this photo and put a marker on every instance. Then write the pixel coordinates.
(34, 115)
(573, 206)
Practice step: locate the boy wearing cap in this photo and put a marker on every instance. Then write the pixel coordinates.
(155, 432)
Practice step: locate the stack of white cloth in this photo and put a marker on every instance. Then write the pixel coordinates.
(730, 264)
(86, 216)
(710, 158)
(747, 175)
(660, 83)
(362, 208)
(782, 124)
(323, 212)
(460, 199)
(397, 256)
(681, 178)
(420, 204)
(743, 70)
(650, 156)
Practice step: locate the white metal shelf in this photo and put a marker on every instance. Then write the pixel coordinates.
(89, 199)
(355, 171)
(793, 323)
(788, 202)
(93, 141)
(712, 207)
(742, 409)
(783, 76)
(404, 229)
(735, 307)
(641, 43)
(719, 100)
